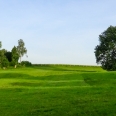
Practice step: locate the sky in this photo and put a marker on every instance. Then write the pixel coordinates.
(56, 31)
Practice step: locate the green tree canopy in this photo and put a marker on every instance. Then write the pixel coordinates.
(21, 48)
(0, 44)
(15, 56)
(9, 56)
(105, 52)
(5, 62)
(3, 59)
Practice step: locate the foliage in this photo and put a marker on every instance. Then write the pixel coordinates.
(105, 52)
(1, 56)
(15, 56)
(26, 63)
(0, 44)
(3, 59)
(12, 57)
(9, 56)
(5, 62)
(21, 49)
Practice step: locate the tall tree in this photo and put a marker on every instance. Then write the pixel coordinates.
(105, 52)
(9, 56)
(3, 59)
(0, 44)
(5, 63)
(21, 48)
(1, 55)
(15, 56)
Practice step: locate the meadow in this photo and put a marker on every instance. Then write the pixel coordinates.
(57, 90)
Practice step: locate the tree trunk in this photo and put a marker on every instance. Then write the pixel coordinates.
(15, 66)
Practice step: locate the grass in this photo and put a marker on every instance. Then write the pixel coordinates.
(48, 90)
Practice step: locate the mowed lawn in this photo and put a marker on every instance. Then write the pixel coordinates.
(57, 90)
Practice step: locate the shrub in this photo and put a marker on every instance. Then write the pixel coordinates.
(26, 63)
(5, 63)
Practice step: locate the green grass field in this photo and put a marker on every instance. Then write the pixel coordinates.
(57, 90)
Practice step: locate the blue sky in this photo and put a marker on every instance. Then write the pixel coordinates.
(56, 31)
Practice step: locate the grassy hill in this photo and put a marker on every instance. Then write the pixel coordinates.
(66, 90)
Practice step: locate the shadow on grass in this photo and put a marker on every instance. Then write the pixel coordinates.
(25, 84)
(100, 79)
(14, 76)
(29, 77)
(44, 81)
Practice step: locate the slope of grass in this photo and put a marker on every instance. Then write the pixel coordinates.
(57, 90)
(77, 68)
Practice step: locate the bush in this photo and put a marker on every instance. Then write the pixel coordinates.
(12, 63)
(5, 63)
(26, 63)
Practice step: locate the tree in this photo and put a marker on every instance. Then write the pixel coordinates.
(9, 56)
(3, 59)
(5, 62)
(1, 56)
(26, 63)
(105, 52)
(15, 56)
(21, 49)
(0, 44)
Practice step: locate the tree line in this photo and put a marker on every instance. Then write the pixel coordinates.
(10, 58)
